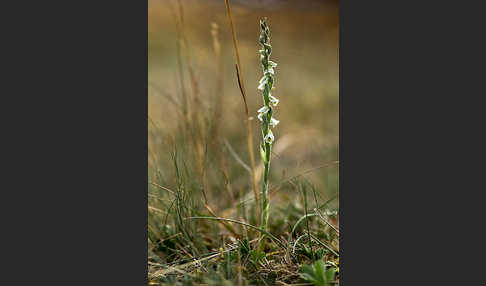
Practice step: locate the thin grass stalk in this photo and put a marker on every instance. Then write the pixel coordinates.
(186, 112)
(216, 142)
(194, 122)
(304, 192)
(227, 226)
(247, 113)
(218, 102)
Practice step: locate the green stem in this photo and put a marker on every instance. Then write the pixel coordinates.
(266, 85)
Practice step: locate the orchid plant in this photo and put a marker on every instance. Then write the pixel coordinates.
(265, 114)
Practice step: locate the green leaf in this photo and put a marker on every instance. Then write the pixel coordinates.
(307, 273)
(330, 274)
(262, 153)
(317, 273)
(244, 246)
(320, 269)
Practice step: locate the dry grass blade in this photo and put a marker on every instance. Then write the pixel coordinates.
(170, 269)
(237, 158)
(242, 89)
(243, 93)
(156, 210)
(299, 221)
(325, 245)
(227, 226)
(178, 268)
(325, 220)
(274, 238)
(162, 187)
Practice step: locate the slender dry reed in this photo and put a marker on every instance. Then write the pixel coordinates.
(194, 122)
(243, 93)
(218, 101)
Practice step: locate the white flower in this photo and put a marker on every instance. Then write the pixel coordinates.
(274, 122)
(260, 116)
(264, 109)
(263, 79)
(273, 100)
(270, 71)
(262, 86)
(272, 64)
(269, 137)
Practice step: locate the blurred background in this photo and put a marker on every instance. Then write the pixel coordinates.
(191, 55)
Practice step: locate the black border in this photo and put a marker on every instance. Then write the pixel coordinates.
(407, 121)
(75, 193)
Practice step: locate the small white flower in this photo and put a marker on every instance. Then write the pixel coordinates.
(274, 122)
(260, 116)
(272, 64)
(263, 79)
(274, 100)
(264, 109)
(262, 86)
(269, 137)
(270, 71)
